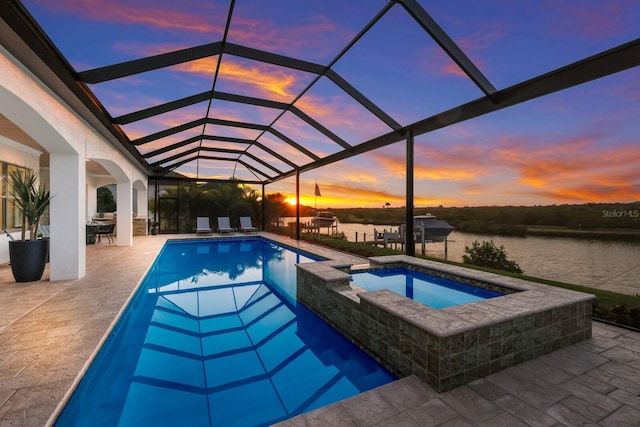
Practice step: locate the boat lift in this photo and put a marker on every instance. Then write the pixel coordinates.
(390, 238)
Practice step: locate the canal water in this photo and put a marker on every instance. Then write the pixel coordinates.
(609, 265)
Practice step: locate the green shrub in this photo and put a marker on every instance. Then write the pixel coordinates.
(487, 254)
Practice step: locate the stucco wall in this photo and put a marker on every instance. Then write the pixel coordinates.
(69, 139)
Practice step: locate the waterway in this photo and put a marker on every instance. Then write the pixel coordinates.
(610, 265)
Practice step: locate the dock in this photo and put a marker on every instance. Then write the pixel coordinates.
(392, 240)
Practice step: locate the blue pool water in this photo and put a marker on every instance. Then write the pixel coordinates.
(214, 337)
(430, 290)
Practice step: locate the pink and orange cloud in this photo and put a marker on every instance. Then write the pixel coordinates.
(167, 18)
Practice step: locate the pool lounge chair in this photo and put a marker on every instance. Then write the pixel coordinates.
(246, 225)
(202, 225)
(223, 225)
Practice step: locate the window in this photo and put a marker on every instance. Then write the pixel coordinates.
(10, 215)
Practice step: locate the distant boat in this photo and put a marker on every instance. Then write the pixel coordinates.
(434, 229)
(323, 219)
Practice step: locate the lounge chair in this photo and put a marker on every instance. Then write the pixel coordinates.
(202, 225)
(246, 225)
(223, 225)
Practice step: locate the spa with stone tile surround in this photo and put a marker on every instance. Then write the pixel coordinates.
(452, 346)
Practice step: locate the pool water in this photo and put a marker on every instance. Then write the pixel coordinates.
(429, 290)
(214, 337)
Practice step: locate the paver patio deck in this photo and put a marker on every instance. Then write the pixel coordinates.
(50, 330)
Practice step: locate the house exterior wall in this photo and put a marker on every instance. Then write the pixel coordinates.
(33, 107)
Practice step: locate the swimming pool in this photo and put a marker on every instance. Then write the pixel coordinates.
(436, 292)
(214, 336)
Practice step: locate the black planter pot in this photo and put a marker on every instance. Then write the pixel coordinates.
(28, 259)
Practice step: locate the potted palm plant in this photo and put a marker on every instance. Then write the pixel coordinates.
(28, 257)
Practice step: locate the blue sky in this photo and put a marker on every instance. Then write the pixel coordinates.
(580, 145)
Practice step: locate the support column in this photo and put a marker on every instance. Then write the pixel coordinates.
(68, 251)
(124, 224)
(262, 207)
(410, 246)
(297, 205)
(92, 200)
(143, 203)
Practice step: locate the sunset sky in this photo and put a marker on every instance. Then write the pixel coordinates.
(580, 145)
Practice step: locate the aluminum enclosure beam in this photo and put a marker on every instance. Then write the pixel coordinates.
(444, 41)
(612, 61)
(409, 243)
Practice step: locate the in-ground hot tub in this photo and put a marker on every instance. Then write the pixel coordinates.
(433, 291)
(451, 346)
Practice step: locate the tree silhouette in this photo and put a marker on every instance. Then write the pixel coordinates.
(106, 202)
